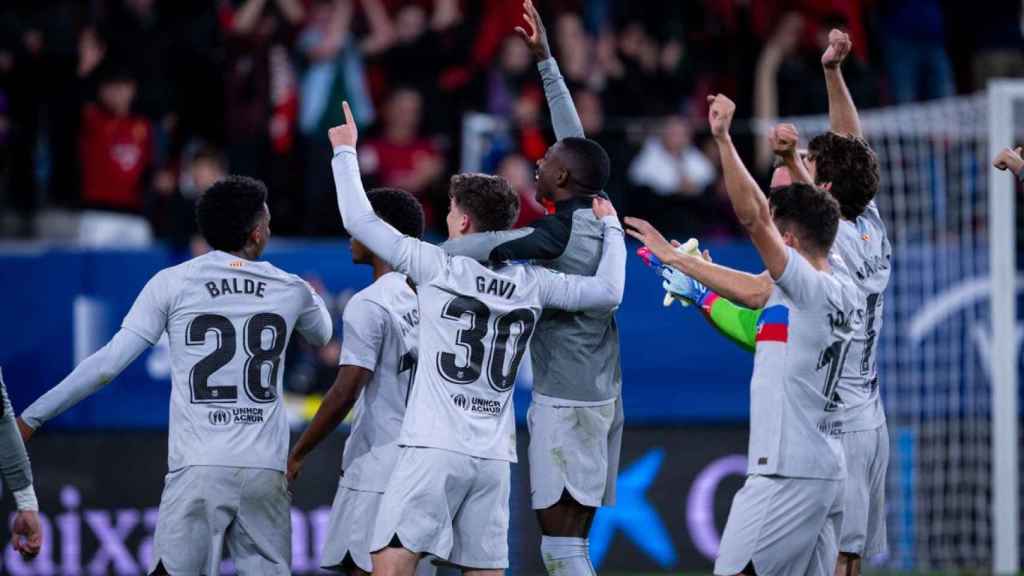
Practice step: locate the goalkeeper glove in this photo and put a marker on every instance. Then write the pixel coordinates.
(682, 287)
(678, 286)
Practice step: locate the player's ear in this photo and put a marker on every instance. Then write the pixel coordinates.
(563, 178)
(464, 223)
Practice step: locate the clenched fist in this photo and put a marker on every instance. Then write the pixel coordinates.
(783, 139)
(839, 46)
(1012, 160)
(720, 115)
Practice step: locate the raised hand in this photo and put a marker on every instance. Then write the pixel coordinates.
(348, 133)
(682, 286)
(1012, 160)
(537, 38)
(839, 45)
(720, 114)
(643, 231)
(26, 534)
(603, 207)
(784, 139)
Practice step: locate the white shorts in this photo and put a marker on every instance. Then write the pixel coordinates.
(204, 507)
(867, 460)
(449, 505)
(350, 529)
(574, 449)
(784, 526)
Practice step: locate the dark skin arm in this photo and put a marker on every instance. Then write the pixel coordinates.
(335, 407)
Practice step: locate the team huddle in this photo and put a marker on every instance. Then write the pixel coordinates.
(432, 349)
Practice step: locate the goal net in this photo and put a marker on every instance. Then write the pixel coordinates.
(936, 341)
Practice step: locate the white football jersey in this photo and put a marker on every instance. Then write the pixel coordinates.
(803, 338)
(475, 327)
(379, 334)
(228, 322)
(475, 323)
(863, 246)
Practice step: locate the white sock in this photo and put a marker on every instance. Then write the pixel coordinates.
(566, 556)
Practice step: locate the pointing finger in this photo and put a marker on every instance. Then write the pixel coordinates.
(348, 113)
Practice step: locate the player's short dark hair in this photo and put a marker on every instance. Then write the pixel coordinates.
(488, 200)
(399, 208)
(229, 210)
(851, 166)
(588, 163)
(808, 212)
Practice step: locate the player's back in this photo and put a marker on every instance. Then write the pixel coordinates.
(228, 321)
(381, 334)
(579, 351)
(865, 251)
(803, 337)
(475, 325)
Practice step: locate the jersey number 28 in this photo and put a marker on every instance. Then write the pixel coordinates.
(257, 356)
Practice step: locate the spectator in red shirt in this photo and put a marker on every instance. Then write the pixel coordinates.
(400, 157)
(115, 148)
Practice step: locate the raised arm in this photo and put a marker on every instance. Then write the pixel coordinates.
(750, 290)
(747, 200)
(602, 291)
(735, 322)
(415, 258)
(564, 118)
(842, 113)
(93, 373)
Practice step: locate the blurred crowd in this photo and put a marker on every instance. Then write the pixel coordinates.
(116, 114)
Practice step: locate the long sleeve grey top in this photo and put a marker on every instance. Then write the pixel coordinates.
(575, 355)
(14, 464)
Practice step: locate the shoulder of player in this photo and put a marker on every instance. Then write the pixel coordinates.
(289, 279)
(558, 223)
(842, 292)
(174, 276)
(383, 290)
(365, 304)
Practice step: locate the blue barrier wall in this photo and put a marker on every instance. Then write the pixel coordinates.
(676, 369)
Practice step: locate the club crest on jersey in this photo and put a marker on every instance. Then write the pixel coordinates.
(495, 287)
(773, 325)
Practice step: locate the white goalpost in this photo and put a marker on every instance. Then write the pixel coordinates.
(1004, 100)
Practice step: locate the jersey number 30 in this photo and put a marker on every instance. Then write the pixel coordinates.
(474, 339)
(257, 356)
